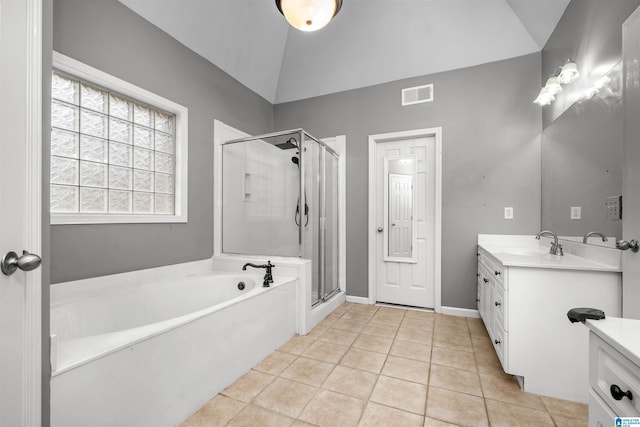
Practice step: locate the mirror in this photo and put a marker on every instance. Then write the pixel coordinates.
(582, 156)
(400, 234)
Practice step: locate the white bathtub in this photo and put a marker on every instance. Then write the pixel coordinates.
(152, 353)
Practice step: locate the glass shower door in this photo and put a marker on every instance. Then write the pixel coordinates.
(330, 225)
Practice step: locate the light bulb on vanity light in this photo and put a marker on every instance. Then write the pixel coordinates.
(553, 86)
(545, 97)
(569, 73)
(309, 15)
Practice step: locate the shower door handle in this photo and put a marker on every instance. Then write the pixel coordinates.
(380, 229)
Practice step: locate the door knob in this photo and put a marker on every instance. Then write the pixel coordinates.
(380, 229)
(11, 262)
(632, 244)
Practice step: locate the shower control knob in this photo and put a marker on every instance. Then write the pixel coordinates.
(380, 229)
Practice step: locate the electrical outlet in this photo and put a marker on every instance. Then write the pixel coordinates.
(576, 212)
(614, 207)
(508, 213)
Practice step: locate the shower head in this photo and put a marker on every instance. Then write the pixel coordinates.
(288, 144)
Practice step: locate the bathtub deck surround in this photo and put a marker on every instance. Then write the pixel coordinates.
(524, 294)
(368, 366)
(153, 351)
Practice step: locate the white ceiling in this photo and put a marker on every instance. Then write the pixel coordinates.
(367, 43)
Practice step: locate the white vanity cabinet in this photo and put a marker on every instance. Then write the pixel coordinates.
(524, 302)
(614, 370)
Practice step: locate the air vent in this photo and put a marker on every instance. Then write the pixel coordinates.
(417, 95)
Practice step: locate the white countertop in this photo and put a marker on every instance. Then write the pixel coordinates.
(621, 334)
(526, 251)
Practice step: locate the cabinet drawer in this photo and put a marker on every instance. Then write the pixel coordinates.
(609, 368)
(500, 343)
(499, 304)
(600, 415)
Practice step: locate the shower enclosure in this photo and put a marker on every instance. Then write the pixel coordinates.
(280, 198)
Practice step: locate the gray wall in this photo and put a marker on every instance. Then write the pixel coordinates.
(589, 32)
(491, 157)
(107, 35)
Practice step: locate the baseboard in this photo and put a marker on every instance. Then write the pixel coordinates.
(358, 300)
(455, 311)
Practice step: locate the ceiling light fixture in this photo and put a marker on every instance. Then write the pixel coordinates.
(309, 15)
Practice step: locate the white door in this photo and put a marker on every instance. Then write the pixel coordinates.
(20, 210)
(631, 169)
(405, 215)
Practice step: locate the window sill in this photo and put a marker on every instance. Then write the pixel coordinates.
(74, 218)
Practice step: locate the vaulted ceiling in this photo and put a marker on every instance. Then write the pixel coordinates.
(369, 42)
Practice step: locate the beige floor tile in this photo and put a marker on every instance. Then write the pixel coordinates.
(329, 409)
(382, 416)
(455, 379)
(341, 310)
(360, 316)
(406, 369)
(380, 330)
(568, 422)
(387, 317)
(217, 412)
(248, 386)
(350, 325)
(419, 314)
(317, 332)
(482, 344)
(506, 415)
(285, 397)
(566, 408)
(337, 336)
(505, 389)
(275, 363)
(476, 328)
(325, 352)
(296, 345)
(364, 308)
(422, 336)
(455, 342)
(411, 350)
(432, 422)
(418, 323)
(453, 358)
(364, 360)
(488, 363)
(327, 322)
(352, 382)
(458, 408)
(253, 415)
(400, 394)
(308, 371)
(392, 311)
(373, 343)
(457, 329)
(298, 423)
(444, 318)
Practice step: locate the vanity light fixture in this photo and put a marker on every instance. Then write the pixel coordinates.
(308, 15)
(564, 75)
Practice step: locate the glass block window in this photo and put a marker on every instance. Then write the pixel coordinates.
(110, 153)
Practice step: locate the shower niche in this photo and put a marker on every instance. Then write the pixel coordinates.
(280, 198)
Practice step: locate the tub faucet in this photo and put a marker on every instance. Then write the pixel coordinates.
(268, 278)
(556, 248)
(594, 233)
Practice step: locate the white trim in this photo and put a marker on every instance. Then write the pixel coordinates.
(358, 300)
(93, 75)
(32, 363)
(418, 133)
(463, 312)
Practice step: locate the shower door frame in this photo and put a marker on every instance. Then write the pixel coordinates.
(338, 152)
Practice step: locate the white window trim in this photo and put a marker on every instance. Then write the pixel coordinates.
(92, 75)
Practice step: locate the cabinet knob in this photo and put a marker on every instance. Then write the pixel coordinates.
(497, 304)
(618, 394)
(497, 273)
(497, 342)
(485, 280)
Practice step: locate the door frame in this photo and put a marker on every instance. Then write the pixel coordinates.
(436, 133)
(28, 48)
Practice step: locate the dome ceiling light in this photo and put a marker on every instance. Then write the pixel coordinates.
(309, 15)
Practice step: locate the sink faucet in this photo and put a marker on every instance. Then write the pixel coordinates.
(268, 278)
(556, 248)
(594, 233)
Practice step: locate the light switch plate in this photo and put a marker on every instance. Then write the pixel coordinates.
(576, 212)
(508, 212)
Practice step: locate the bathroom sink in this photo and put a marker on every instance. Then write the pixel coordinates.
(536, 251)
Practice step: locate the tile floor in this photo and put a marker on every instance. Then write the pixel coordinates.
(383, 366)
